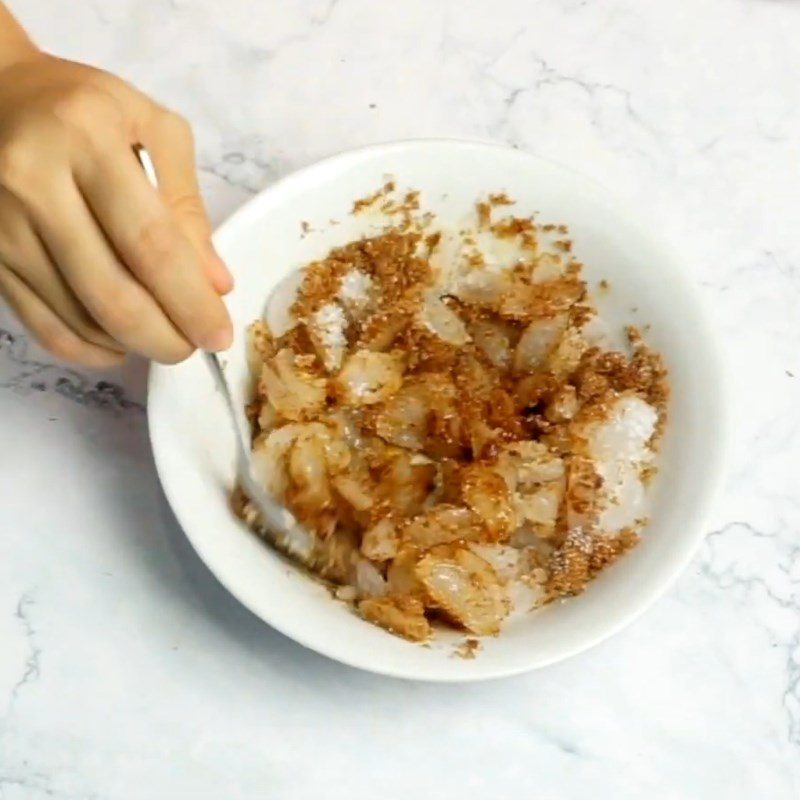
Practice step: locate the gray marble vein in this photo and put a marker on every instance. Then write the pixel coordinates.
(32, 661)
(23, 374)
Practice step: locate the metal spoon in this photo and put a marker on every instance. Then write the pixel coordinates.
(277, 524)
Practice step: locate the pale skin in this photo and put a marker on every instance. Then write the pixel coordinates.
(94, 261)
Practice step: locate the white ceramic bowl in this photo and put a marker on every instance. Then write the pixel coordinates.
(262, 243)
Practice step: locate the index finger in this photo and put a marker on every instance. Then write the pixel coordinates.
(148, 240)
(171, 154)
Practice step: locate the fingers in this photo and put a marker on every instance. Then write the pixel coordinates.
(169, 141)
(23, 253)
(145, 235)
(50, 331)
(114, 261)
(119, 303)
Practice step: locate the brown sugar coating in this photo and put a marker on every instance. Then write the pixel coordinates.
(431, 418)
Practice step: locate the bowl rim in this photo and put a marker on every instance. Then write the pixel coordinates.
(715, 463)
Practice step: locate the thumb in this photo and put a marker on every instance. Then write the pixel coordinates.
(170, 143)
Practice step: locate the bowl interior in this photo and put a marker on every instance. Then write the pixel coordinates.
(264, 242)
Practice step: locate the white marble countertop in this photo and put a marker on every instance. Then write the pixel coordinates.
(127, 672)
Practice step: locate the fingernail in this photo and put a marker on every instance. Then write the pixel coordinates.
(220, 265)
(223, 268)
(221, 339)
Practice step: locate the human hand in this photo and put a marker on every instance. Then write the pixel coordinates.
(94, 261)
